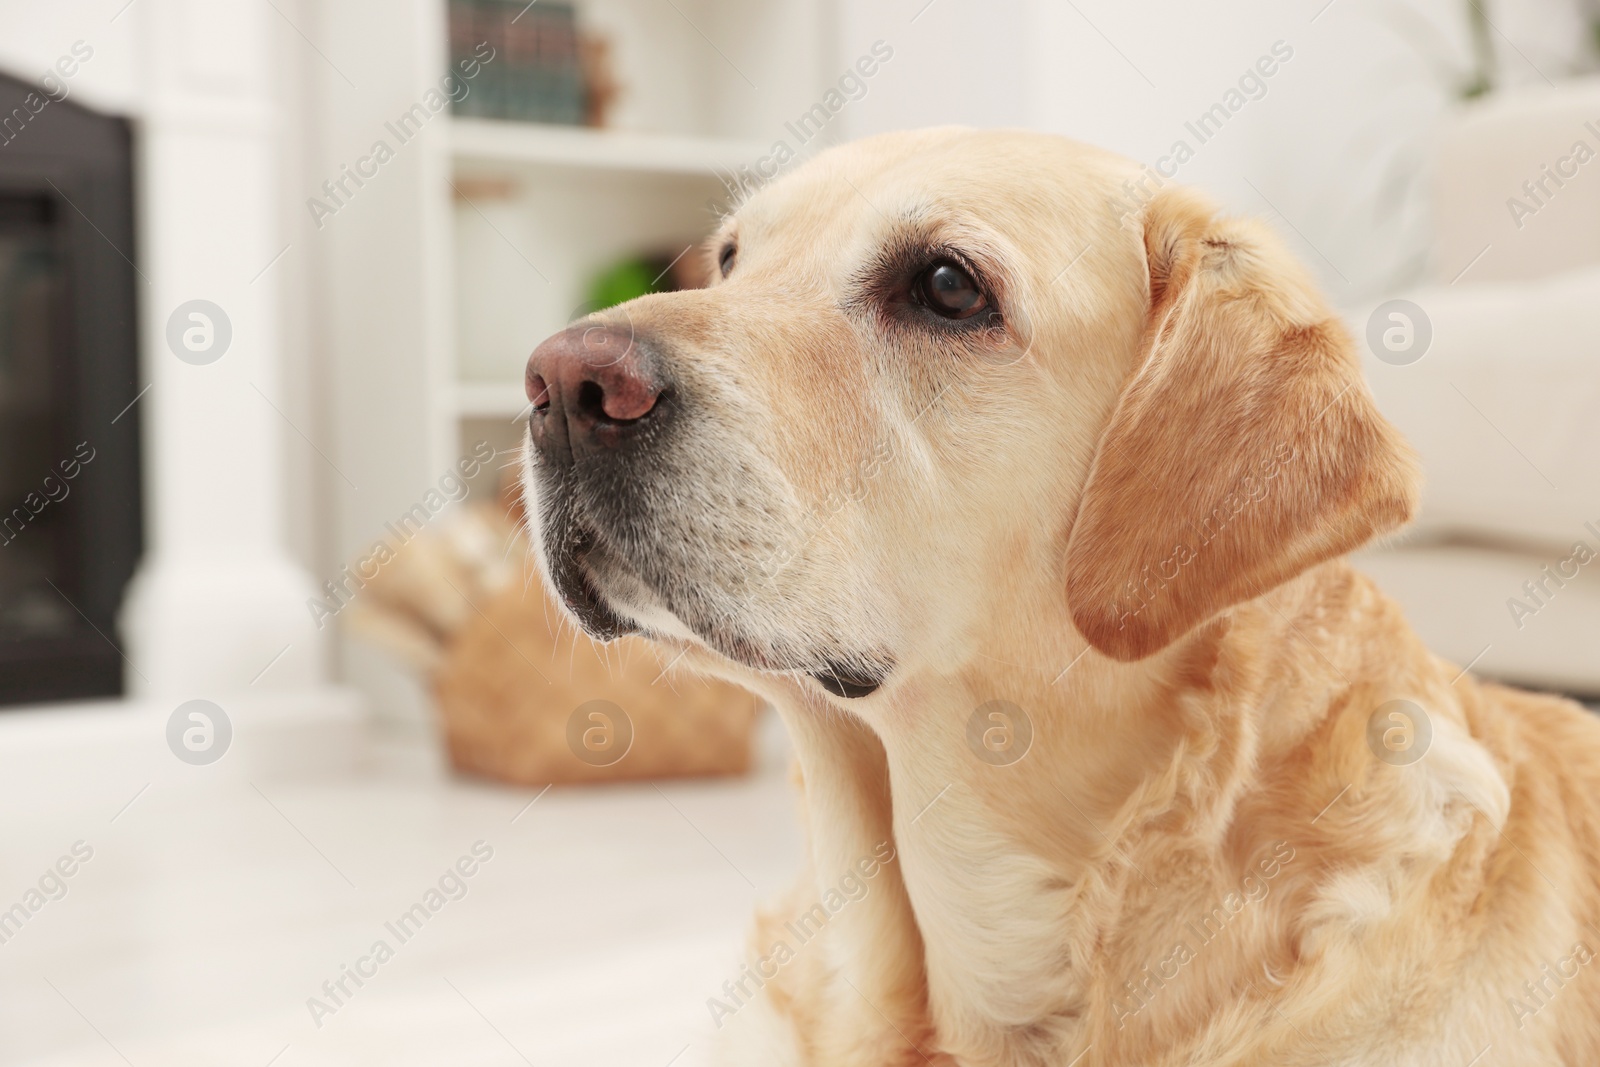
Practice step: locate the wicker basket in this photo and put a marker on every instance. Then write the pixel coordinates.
(524, 699)
(521, 696)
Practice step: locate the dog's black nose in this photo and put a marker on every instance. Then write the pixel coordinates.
(590, 385)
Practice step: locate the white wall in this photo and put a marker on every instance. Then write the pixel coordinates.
(1335, 144)
(37, 34)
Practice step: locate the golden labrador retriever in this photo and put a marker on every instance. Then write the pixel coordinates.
(1021, 490)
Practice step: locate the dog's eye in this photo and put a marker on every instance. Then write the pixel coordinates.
(726, 257)
(950, 291)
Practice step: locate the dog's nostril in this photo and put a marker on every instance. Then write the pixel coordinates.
(538, 392)
(592, 400)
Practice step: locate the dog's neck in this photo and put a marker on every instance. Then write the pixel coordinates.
(1013, 874)
(1015, 782)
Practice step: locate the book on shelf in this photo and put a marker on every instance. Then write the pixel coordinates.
(536, 70)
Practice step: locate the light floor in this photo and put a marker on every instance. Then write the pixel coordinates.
(217, 903)
(219, 899)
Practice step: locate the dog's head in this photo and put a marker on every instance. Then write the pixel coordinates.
(944, 379)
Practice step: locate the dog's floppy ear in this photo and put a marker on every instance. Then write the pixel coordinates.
(1244, 449)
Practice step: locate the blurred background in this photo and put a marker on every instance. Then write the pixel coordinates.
(296, 765)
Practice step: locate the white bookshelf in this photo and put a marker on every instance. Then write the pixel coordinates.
(489, 145)
(481, 237)
(537, 212)
(490, 400)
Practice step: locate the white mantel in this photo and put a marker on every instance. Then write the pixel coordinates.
(218, 603)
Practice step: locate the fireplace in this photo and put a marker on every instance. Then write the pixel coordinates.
(69, 421)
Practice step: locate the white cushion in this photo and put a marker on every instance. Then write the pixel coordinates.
(1460, 601)
(1498, 214)
(1504, 407)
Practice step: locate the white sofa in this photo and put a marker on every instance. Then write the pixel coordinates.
(1504, 405)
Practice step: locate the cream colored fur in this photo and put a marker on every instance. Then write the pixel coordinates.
(1191, 732)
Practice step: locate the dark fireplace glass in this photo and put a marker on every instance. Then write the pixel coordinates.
(33, 486)
(70, 484)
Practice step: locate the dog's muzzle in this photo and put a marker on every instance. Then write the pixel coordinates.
(599, 401)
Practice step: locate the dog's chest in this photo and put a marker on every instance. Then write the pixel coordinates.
(994, 920)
